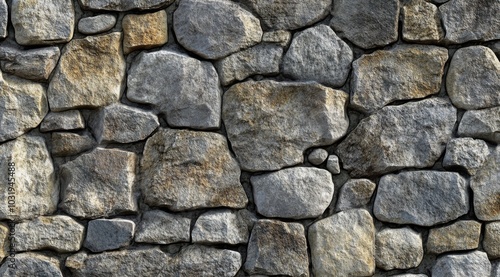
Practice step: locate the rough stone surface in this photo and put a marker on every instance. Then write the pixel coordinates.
(4, 241)
(280, 37)
(28, 264)
(144, 31)
(495, 268)
(466, 153)
(33, 64)
(190, 97)
(484, 124)
(318, 156)
(402, 73)
(270, 124)
(214, 29)
(491, 242)
(299, 192)
(318, 54)
(355, 193)
(223, 226)
(185, 170)
(462, 265)
(68, 120)
(68, 144)
(398, 249)
(277, 248)
(124, 5)
(421, 22)
(160, 227)
(486, 188)
(333, 165)
(109, 234)
(461, 235)
(96, 24)
(473, 79)
(4, 18)
(197, 260)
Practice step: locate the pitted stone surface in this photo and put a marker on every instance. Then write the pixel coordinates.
(317, 156)
(124, 5)
(421, 22)
(198, 260)
(355, 193)
(144, 31)
(491, 242)
(466, 153)
(223, 226)
(4, 240)
(96, 24)
(398, 249)
(67, 120)
(461, 235)
(33, 64)
(160, 227)
(462, 265)
(484, 124)
(68, 144)
(486, 188)
(4, 18)
(29, 263)
(109, 234)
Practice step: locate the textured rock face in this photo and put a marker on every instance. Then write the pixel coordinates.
(223, 226)
(462, 235)
(68, 144)
(317, 156)
(333, 165)
(68, 120)
(484, 124)
(109, 234)
(28, 264)
(355, 193)
(486, 188)
(269, 124)
(144, 31)
(124, 5)
(398, 249)
(466, 153)
(462, 265)
(4, 18)
(163, 228)
(34, 64)
(197, 260)
(491, 243)
(4, 241)
(280, 37)
(96, 24)
(421, 22)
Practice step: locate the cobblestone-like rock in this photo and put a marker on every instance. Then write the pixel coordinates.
(421, 22)
(160, 227)
(223, 226)
(33, 64)
(69, 144)
(317, 156)
(124, 5)
(355, 193)
(486, 188)
(197, 260)
(461, 235)
(68, 120)
(280, 37)
(109, 234)
(4, 241)
(144, 31)
(96, 24)
(398, 249)
(484, 124)
(466, 153)
(462, 265)
(28, 264)
(491, 241)
(4, 18)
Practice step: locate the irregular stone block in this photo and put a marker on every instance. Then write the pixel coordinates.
(461, 235)
(28, 264)
(96, 24)
(421, 22)
(33, 64)
(333, 165)
(462, 265)
(4, 241)
(466, 153)
(69, 144)
(144, 31)
(68, 120)
(124, 5)
(159, 227)
(484, 124)
(109, 234)
(491, 242)
(223, 226)
(486, 188)
(280, 37)
(355, 193)
(197, 260)
(4, 18)
(317, 156)
(398, 249)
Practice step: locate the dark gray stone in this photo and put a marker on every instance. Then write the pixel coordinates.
(109, 234)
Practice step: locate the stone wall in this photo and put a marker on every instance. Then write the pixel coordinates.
(250, 138)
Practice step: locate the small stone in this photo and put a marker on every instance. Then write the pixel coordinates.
(421, 22)
(355, 193)
(109, 234)
(160, 227)
(486, 188)
(197, 31)
(318, 156)
(280, 37)
(491, 242)
(332, 239)
(484, 124)
(29, 264)
(495, 268)
(333, 165)
(198, 260)
(474, 263)
(223, 226)
(461, 235)
(144, 31)
(473, 79)
(4, 18)
(4, 241)
(96, 24)
(398, 249)
(410, 275)
(33, 64)
(69, 144)
(68, 120)
(124, 5)
(277, 248)
(466, 153)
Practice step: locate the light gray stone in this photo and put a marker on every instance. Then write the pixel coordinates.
(461, 235)
(68, 120)
(462, 265)
(109, 234)
(33, 64)
(280, 37)
(333, 165)
(270, 124)
(4, 18)
(4, 241)
(32, 264)
(96, 24)
(398, 249)
(486, 188)
(124, 5)
(421, 22)
(466, 153)
(318, 156)
(495, 268)
(355, 193)
(223, 226)
(198, 260)
(410, 275)
(160, 227)
(69, 144)
(491, 241)
(484, 124)
(318, 54)
(190, 97)
(144, 31)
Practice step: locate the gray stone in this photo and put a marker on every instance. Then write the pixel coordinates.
(402, 73)
(393, 138)
(473, 79)
(462, 265)
(486, 188)
(69, 144)
(33, 64)
(197, 31)
(317, 156)
(68, 120)
(355, 193)
(185, 170)
(277, 248)
(367, 24)
(96, 24)
(318, 54)
(298, 192)
(495, 268)
(280, 37)
(80, 80)
(190, 97)
(32, 264)
(270, 124)
(421, 22)
(424, 198)
(109, 234)
(4, 241)
(223, 226)
(398, 249)
(160, 227)
(99, 183)
(461, 235)
(410, 275)
(124, 5)
(197, 260)
(491, 241)
(4, 18)
(144, 31)
(333, 165)
(466, 153)
(484, 124)
(332, 239)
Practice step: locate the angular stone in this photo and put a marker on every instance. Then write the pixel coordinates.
(197, 260)
(421, 22)
(462, 265)
(29, 264)
(33, 64)
(69, 144)
(333, 165)
(473, 79)
(398, 249)
(35, 188)
(4, 18)
(270, 125)
(80, 80)
(424, 198)
(298, 192)
(96, 24)
(190, 97)
(484, 124)
(144, 31)
(99, 183)
(124, 5)
(367, 24)
(486, 188)
(355, 193)
(185, 170)
(461, 235)
(159, 227)
(280, 37)
(393, 138)
(466, 153)
(4, 241)
(277, 248)
(332, 239)
(197, 30)
(318, 156)
(402, 73)
(318, 54)
(495, 268)
(54, 21)
(223, 226)
(109, 234)
(491, 242)
(68, 120)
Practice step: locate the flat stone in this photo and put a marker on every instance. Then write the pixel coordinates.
(69, 144)
(377, 146)
(424, 198)
(109, 234)
(124, 5)
(491, 242)
(80, 80)
(331, 240)
(473, 79)
(355, 193)
(280, 37)
(68, 120)
(317, 156)
(299, 192)
(367, 24)
(197, 31)
(467, 153)
(55, 20)
(402, 73)
(144, 31)
(277, 248)
(198, 260)
(28, 264)
(461, 235)
(484, 124)
(398, 249)
(190, 97)
(462, 265)
(4, 18)
(99, 183)
(318, 54)
(486, 188)
(333, 165)
(96, 24)
(33, 64)
(160, 227)
(269, 124)
(223, 226)
(421, 22)
(4, 241)
(190, 170)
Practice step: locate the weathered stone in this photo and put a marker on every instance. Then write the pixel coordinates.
(491, 242)
(332, 240)
(495, 268)
(394, 138)
(473, 79)
(410, 275)
(223, 226)
(69, 144)
(280, 37)
(124, 5)
(32, 264)
(398, 249)
(486, 188)
(96, 24)
(318, 54)
(269, 123)
(318, 156)
(484, 124)
(367, 24)
(68, 120)
(99, 183)
(333, 165)
(197, 260)
(159, 227)
(109, 234)
(421, 22)
(185, 170)
(80, 80)
(33, 64)
(424, 198)
(4, 241)
(144, 31)
(470, 20)
(461, 235)
(298, 192)
(462, 265)
(402, 73)
(355, 193)
(35, 188)
(190, 97)
(466, 153)
(54, 21)
(277, 248)
(4, 18)
(214, 29)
